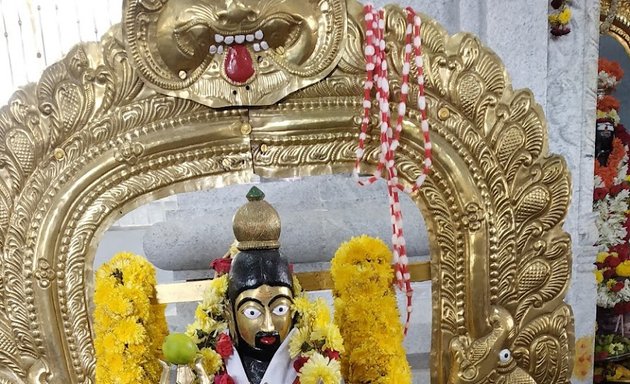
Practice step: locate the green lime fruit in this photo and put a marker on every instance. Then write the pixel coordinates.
(179, 349)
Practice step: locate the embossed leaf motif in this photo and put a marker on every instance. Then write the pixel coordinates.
(23, 148)
(4, 217)
(533, 277)
(551, 287)
(9, 354)
(533, 204)
(469, 51)
(543, 346)
(546, 353)
(469, 92)
(70, 100)
(152, 5)
(508, 147)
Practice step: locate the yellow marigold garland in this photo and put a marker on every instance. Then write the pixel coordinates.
(316, 344)
(367, 314)
(129, 325)
(209, 325)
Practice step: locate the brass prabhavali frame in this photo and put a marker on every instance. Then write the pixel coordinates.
(92, 140)
(615, 21)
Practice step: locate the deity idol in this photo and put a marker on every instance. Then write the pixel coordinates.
(260, 296)
(254, 324)
(604, 135)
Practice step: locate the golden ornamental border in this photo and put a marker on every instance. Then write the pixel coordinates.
(91, 141)
(615, 21)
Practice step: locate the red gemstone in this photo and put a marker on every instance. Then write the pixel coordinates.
(239, 66)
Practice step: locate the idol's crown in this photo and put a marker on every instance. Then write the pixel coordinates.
(256, 224)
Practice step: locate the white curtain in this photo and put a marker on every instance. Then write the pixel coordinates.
(36, 33)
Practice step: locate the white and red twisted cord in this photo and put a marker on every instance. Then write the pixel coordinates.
(377, 72)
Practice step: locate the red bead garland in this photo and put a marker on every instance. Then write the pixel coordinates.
(377, 72)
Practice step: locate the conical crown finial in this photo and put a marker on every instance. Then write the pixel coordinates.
(256, 224)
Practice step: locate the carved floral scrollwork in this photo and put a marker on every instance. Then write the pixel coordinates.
(473, 217)
(44, 273)
(128, 152)
(90, 141)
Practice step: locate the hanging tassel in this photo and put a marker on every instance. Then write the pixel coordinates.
(377, 73)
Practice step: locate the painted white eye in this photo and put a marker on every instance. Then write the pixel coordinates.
(505, 355)
(281, 310)
(252, 313)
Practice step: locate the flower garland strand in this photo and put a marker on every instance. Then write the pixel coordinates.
(609, 173)
(209, 330)
(367, 314)
(377, 72)
(609, 74)
(611, 204)
(316, 345)
(560, 18)
(129, 325)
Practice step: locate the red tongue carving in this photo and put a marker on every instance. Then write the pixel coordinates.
(238, 64)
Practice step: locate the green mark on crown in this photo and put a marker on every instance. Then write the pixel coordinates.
(255, 194)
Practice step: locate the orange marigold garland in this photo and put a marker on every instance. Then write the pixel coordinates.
(609, 172)
(608, 75)
(607, 103)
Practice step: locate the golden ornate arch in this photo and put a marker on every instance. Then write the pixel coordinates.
(615, 21)
(92, 140)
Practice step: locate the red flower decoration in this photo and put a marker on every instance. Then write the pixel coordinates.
(224, 346)
(601, 355)
(615, 189)
(600, 193)
(332, 355)
(560, 31)
(607, 103)
(222, 265)
(609, 273)
(623, 250)
(223, 378)
(612, 261)
(617, 287)
(299, 363)
(613, 68)
(622, 134)
(619, 309)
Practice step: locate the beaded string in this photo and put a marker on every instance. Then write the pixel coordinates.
(377, 73)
